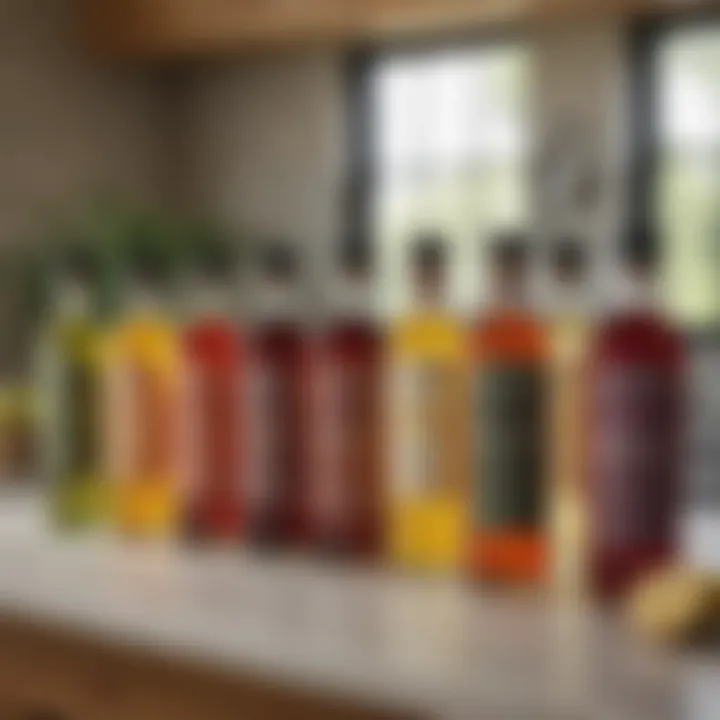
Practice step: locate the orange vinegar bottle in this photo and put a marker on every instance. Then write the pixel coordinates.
(508, 543)
(145, 408)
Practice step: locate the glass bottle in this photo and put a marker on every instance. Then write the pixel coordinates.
(214, 364)
(145, 404)
(344, 493)
(635, 433)
(276, 404)
(570, 338)
(701, 501)
(428, 422)
(510, 351)
(73, 396)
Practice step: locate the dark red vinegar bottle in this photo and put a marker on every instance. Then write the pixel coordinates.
(343, 499)
(635, 434)
(276, 408)
(214, 357)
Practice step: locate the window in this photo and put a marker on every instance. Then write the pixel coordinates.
(448, 148)
(684, 118)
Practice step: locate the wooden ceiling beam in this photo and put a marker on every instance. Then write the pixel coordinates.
(169, 28)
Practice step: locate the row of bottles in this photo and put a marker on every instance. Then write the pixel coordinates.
(520, 450)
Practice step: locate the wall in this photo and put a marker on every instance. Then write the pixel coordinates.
(267, 143)
(581, 101)
(67, 128)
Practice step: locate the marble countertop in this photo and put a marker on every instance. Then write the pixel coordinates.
(433, 645)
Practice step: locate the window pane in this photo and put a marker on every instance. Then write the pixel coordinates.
(688, 199)
(451, 150)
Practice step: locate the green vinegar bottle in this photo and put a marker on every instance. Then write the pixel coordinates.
(73, 396)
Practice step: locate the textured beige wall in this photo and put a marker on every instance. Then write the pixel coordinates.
(267, 145)
(581, 83)
(68, 127)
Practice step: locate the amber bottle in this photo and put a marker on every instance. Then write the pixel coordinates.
(509, 357)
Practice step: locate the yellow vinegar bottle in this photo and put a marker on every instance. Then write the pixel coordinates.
(145, 406)
(426, 508)
(71, 376)
(570, 340)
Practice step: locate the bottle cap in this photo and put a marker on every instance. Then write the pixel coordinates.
(569, 258)
(216, 260)
(509, 249)
(279, 261)
(429, 250)
(642, 251)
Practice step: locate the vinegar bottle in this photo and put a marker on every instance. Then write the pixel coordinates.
(510, 350)
(73, 393)
(145, 405)
(428, 422)
(214, 361)
(344, 477)
(570, 337)
(276, 405)
(635, 433)
(701, 542)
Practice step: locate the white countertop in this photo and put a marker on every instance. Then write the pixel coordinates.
(433, 645)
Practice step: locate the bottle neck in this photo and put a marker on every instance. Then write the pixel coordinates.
(429, 299)
(74, 301)
(570, 299)
(206, 299)
(636, 293)
(509, 299)
(145, 300)
(350, 300)
(273, 301)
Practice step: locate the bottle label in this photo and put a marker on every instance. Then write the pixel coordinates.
(217, 442)
(509, 444)
(269, 426)
(152, 421)
(424, 425)
(344, 419)
(635, 458)
(82, 419)
(704, 451)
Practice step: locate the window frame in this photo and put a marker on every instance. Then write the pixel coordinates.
(646, 37)
(360, 66)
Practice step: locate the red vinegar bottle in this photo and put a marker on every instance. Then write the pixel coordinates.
(276, 405)
(214, 355)
(634, 435)
(343, 498)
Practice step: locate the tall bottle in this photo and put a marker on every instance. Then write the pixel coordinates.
(276, 404)
(701, 501)
(345, 485)
(570, 338)
(214, 360)
(635, 434)
(145, 403)
(510, 351)
(428, 422)
(73, 395)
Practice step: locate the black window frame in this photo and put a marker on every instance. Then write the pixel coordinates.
(646, 37)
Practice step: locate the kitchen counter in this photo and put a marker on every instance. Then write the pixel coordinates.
(420, 647)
